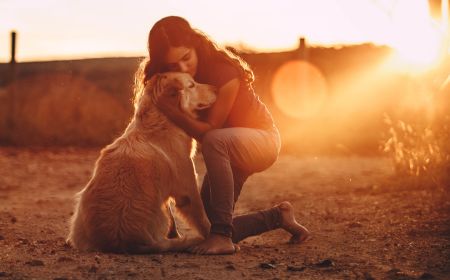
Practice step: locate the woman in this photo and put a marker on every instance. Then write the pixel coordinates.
(237, 134)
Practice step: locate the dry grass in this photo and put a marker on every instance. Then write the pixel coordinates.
(421, 150)
(52, 109)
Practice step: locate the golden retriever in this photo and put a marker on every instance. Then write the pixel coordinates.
(124, 206)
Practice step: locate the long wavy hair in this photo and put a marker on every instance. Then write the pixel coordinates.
(174, 31)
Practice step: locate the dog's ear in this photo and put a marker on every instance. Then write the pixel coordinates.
(151, 83)
(149, 89)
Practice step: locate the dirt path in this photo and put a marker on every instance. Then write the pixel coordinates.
(365, 224)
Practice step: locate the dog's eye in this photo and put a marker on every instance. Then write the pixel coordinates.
(173, 93)
(191, 85)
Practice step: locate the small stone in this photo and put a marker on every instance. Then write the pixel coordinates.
(230, 267)
(295, 268)
(427, 275)
(398, 274)
(35, 263)
(97, 259)
(1, 237)
(13, 220)
(267, 266)
(131, 273)
(186, 265)
(355, 225)
(393, 271)
(156, 260)
(23, 241)
(325, 263)
(65, 259)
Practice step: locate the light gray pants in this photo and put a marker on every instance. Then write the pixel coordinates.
(231, 155)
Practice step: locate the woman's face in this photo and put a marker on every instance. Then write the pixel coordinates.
(182, 59)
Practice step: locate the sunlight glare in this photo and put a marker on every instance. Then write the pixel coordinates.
(418, 42)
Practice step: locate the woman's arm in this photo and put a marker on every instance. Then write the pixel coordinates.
(217, 114)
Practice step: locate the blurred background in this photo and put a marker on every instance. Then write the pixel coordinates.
(352, 77)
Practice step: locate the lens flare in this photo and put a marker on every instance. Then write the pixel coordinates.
(299, 89)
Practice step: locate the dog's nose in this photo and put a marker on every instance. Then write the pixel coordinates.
(213, 89)
(202, 106)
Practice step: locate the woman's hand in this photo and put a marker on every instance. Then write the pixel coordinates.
(169, 104)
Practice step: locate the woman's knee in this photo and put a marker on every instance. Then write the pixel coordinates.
(213, 140)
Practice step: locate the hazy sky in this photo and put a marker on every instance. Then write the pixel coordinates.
(63, 29)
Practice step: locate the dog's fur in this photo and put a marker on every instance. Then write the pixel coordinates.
(124, 207)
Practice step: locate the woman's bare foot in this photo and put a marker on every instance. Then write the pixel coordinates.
(215, 244)
(289, 224)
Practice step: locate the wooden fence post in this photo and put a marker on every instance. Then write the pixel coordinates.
(13, 47)
(12, 88)
(302, 49)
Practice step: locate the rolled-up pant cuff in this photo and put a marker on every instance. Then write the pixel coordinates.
(222, 229)
(272, 218)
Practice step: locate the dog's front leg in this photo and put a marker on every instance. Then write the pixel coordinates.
(191, 208)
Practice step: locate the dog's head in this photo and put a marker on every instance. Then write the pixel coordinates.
(192, 96)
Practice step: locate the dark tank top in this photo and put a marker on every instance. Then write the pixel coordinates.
(248, 110)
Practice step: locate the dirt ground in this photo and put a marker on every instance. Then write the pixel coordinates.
(366, 224)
